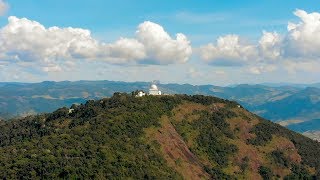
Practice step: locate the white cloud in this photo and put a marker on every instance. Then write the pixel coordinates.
(300, 44)
(23, 40)
(270, 46)
(127, 49)
(160, 47)
(303, 38)
(229, 50)
(3, 7)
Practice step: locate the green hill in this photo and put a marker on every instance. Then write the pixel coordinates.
(154, 137)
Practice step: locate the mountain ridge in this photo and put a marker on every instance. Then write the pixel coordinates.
(154, 137)
(278, 104)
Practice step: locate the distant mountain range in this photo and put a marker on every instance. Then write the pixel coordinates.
(284, 103)
(292, 85)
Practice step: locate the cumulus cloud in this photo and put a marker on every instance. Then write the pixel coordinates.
(160, 47)
(23, 40)
(229, 50)
(303, 39)
(269, 46)
(3, 7)
(127, 49)
(300, 43)
(29, 41)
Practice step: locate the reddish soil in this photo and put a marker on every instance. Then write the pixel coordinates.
(177, 153)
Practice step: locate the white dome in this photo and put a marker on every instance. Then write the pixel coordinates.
(153, 86)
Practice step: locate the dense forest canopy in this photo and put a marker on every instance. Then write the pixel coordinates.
(154, 137)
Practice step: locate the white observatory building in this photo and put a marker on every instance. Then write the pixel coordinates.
(154, 91)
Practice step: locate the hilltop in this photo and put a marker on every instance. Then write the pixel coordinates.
(292, 105)
(271, 102)
(154, 137)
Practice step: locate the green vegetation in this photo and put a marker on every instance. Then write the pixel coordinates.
(299, 172)
(211, 127)
(210, 142)
(283, 103)
(217, 173)
(101, 140)
(107, 139)
(265, 173)
(308, 149)
(279, 158)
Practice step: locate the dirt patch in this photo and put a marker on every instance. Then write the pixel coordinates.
(242, 128)
(284, 145)
(242, 124)
(287, 147)
(176, 151)
(253, 156)
(185, 111)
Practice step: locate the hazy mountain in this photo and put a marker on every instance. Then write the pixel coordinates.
(292, 85)
(311, 125)
(154, 137)
(19, 98)
(304, 104)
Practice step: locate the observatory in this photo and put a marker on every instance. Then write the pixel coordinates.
(154, 90)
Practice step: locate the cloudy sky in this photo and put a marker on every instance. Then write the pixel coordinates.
(197, 42)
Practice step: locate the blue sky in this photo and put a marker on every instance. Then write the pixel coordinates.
(201, 22)
(212, 18)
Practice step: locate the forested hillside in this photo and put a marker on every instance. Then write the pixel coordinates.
(283, 103)
(154, 137)
(274, 103)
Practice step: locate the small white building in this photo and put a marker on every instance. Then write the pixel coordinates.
(71, 111)
(154, 91)
(140, 94)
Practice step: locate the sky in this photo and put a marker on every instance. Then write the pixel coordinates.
(197, 42)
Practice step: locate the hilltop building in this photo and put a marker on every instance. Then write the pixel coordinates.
(140, 94)
(154, 91)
